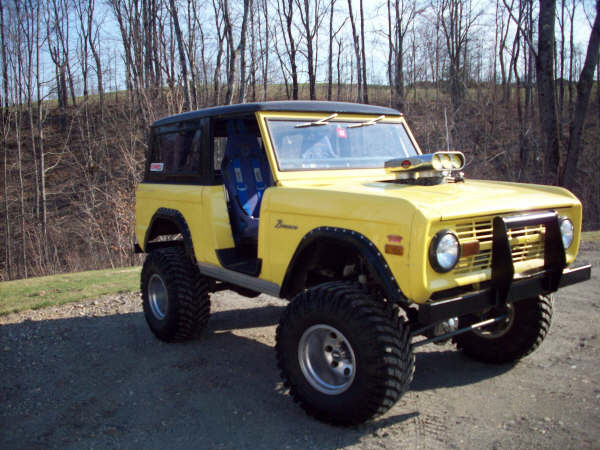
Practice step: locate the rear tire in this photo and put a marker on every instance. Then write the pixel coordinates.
(526, 327)
(345, 356)
(174, 295)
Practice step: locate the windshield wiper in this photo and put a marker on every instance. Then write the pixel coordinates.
(367, 123)
(322, 121)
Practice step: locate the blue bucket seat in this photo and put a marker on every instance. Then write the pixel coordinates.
(246, 174)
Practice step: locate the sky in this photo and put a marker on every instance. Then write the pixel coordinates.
(376, 44)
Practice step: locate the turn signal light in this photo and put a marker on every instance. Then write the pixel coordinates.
(394, 249)
(469, 248)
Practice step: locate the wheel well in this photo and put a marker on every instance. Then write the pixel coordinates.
(162, 227)
(320, 261)
(168, 228)
(330, 254)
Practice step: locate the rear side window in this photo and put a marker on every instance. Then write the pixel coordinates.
(179, 153)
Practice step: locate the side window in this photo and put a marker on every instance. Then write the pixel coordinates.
(178, 153)
(238, 139)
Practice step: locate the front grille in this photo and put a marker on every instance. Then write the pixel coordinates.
(526, 243)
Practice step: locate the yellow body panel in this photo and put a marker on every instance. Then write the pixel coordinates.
(364, 201)
(377, 210)
(203, 207)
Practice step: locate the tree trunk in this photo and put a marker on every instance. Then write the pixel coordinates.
(584, 89)
(235, 52)
(359, 96)
(330, 54)
(266, 51)
(362, 50)
(550, 142)
(182, 59)
(571, 58)
(93, 38)
(241, 51)
(398, 86)
(5, 118)
(309, 35)
(288, 12)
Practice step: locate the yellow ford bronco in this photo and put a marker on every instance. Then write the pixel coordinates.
(379, 247)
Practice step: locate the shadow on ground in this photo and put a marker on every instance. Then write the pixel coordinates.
(107, 382)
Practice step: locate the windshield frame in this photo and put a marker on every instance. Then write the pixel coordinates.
(268, 119)
(323, 174)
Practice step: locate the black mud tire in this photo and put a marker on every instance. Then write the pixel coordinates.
(378, 337)
(531, 319)
(187, 308)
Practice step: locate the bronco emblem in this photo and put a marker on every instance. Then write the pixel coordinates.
(280, 224)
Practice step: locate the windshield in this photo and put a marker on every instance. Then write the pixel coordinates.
(310, 145)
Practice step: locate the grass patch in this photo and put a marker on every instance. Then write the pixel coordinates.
(590, 236)
(41, 292)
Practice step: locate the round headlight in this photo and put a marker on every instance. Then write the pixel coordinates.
(444, 251)
(566, 231)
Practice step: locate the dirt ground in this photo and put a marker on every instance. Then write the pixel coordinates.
(91, 375)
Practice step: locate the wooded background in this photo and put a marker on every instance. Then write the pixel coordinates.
(510, 83)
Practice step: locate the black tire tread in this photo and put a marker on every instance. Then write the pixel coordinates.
(532, 321)
(187, 288)
(377, 322)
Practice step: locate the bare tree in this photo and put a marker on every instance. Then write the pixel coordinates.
(236, 53)
(220, 29)
(311, 21)
(404, 13)
(285, 12)
(357, 52)
(456, 19)
(241, 50)
(5, 116)
(502, 31)
(264, 42)
(546, 90)
(584, 88)
(182, 58)
(363, 53)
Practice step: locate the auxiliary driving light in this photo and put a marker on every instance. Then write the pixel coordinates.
(448, 160)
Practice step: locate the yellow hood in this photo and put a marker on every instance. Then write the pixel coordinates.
(464, 199)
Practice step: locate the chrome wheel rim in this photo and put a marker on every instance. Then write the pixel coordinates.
(326, 359)
(158, 296)
(497, 329)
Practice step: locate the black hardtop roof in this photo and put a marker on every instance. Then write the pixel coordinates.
(289, 105)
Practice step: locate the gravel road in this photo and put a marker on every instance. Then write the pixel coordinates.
(91, 375)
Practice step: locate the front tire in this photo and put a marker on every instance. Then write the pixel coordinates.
(345, 356)
(519, 335)
(174, 295)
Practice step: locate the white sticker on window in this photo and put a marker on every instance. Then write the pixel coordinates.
(157, 167)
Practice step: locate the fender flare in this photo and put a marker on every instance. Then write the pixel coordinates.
(365, 248)
(176, 218)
